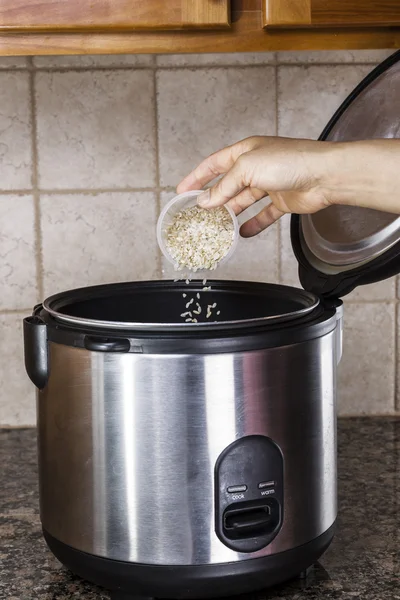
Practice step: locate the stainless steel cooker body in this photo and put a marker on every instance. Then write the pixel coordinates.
(129, 443)
(200, 460)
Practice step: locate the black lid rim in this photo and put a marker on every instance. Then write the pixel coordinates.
(383, 266)
(376, 72)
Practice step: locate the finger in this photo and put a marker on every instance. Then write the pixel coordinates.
(269, 215)
(231, 184)
(217, 164)
(246, 198)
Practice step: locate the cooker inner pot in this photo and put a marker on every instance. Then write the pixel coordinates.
(162, 303)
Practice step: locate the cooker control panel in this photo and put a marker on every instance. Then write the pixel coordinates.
(249, 493)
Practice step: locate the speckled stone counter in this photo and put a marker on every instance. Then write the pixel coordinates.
(362, 563)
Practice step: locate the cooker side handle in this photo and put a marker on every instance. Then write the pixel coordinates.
(36, 351)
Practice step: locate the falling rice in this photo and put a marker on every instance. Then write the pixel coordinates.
(190, 316)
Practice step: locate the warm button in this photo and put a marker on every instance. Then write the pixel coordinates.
(236, 489)
(265, 485)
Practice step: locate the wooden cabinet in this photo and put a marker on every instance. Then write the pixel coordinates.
(112, 15)
(29, 27)
(331, 13)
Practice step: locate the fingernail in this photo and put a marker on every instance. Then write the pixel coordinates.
(204, 199)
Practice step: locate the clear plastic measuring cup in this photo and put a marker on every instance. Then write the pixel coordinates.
(176, 205)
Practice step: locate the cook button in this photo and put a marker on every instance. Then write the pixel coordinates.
(234, 489)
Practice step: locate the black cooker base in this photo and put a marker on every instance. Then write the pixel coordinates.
(133, 581)
(122, 596)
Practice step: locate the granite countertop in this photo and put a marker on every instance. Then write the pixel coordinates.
(362, 563)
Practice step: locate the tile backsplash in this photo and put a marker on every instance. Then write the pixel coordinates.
(92, 146)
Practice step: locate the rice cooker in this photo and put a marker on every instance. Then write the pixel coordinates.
(188, 460)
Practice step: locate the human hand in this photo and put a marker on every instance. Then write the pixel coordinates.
(289, 171)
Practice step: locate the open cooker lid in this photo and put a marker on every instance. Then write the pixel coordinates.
(342, 247)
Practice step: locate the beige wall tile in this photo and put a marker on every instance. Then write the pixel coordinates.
(200, 111)
(198, 60)
(95, 60)
(255, 259)
(366, 372)
(94, 239)
(13, 62)
(17, 393)
(309, 96)
(95, 129)
(18, 287)
(15, 131)
(334, 56)
(374, 292)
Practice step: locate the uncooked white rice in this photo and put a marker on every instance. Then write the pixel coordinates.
(198, 239)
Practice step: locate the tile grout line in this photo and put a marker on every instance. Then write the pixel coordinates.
(35, 182)
(88, 191)
(396, 348)
(30, 66)
(157, 164)
(95, 191)
(279, 225)
(355, 301)
(14, 69)
(24, 192)
(145, 67)
(362, 415)
(328, 64)
(154, 67)
(396, 360)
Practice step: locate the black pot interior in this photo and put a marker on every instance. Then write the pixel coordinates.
(162, 302)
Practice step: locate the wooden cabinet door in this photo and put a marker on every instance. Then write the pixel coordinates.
(331, 13)
(112, 15)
